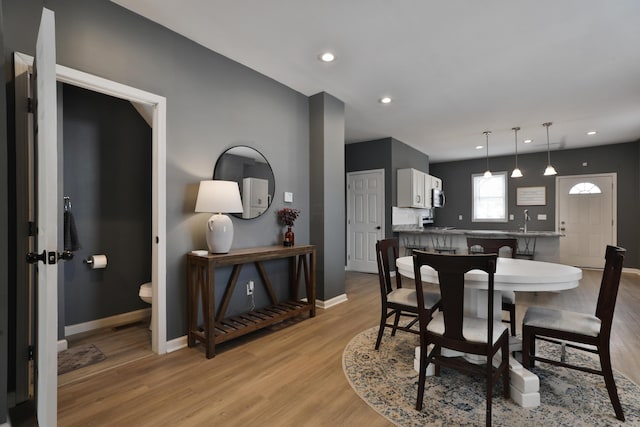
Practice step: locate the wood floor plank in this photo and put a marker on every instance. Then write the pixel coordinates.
(289, 374)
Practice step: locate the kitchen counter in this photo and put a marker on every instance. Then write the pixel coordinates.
(453, 240)
(482, 233)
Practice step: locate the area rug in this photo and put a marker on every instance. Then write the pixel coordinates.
(386, 380)
(78, 357)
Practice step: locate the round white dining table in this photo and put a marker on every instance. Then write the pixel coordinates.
(512, 274)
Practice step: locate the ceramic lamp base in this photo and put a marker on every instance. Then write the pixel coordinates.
(219, 234)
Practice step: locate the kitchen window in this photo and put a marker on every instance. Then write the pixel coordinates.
(489, 202)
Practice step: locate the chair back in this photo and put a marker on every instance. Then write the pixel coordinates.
(387, 251)
(614, 256)
(493, 246)
(451, 270)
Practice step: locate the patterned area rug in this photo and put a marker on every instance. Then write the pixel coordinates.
(386, 380)
(79, 357)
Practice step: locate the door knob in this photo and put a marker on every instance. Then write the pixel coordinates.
(378, 228)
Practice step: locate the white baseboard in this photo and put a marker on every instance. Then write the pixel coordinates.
(331, 302)
(176, 344)
(63, 344)
(108, 322)
(631, 270)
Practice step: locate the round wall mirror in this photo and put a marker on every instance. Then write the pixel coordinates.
(251, 170)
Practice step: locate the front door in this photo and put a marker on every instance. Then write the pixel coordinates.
(46, 217)
(365, 218)
(586, 216)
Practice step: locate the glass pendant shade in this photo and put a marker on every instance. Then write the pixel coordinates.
(517, 173)
(550, 170)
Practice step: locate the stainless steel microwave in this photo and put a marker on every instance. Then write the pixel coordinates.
(438, 198)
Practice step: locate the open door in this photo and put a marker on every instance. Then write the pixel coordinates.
(45, 256)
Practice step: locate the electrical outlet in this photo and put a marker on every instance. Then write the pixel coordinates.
(250, 287)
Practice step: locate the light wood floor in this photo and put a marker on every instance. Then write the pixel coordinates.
(292, 375)
(121, 345)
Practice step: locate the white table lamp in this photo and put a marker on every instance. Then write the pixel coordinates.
(219, 197)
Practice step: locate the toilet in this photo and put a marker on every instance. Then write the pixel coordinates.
(146, 295)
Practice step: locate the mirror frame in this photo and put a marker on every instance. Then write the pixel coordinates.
(257, 157)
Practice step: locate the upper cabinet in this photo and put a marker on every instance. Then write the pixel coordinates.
(414, 189)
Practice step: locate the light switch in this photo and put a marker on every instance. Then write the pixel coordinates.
(288, 197)
(510, 217)
(459, 217)
(542, 217)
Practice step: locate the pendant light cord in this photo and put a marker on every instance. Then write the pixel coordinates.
(548, 147)
(515, 130)
(486, 134)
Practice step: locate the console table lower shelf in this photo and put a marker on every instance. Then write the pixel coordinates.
(201, 289)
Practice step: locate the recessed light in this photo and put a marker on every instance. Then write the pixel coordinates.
(528, 141)
(327, 57)
(592, 132)
(479, 147)
(385, 100)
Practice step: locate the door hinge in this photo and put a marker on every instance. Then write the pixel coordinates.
(31, 228)
(30, 352)
(348, 257)
(29, 105)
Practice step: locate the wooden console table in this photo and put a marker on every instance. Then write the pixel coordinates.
(201, 288)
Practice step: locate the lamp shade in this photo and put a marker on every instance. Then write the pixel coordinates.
(216, 196)
(219, 197)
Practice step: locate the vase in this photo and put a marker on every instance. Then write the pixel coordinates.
(289, 237)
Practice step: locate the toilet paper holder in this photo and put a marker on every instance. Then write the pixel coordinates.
(96, 261)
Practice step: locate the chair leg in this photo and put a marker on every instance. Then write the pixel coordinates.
(395, 323)
(383, 321)
(489, 374)
(422, 375)
(528, 345)
(512, 319)
(607, 372)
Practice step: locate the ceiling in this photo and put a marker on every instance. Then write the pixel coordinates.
(453, 68)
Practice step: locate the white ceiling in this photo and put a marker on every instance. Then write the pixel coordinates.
(454, 68)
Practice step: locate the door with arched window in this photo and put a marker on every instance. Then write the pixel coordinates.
(586, 215)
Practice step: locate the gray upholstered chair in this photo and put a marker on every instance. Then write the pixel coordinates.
(574, 330)
(452, 329)
(396, 300)
(493, 246)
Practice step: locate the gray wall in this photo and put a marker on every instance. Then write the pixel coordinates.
(213, 103)
(326, 167)
(107, 175)
(4, 237)
(624, 159)
(390, 154)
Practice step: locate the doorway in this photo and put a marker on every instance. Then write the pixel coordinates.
(586, 214)
(365, 218)
(153, 108)
(104, 148)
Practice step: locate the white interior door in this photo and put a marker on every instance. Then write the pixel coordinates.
(586, 212)
(365, 218)
(46, 194)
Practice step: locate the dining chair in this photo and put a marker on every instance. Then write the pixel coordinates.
(574, 330)
(493, 246)
(452, 329)
(396, 300)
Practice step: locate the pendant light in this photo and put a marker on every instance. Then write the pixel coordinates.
(487, 173)
(517, 173)
(550, 170)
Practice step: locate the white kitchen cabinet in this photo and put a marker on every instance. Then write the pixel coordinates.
(414, 189)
